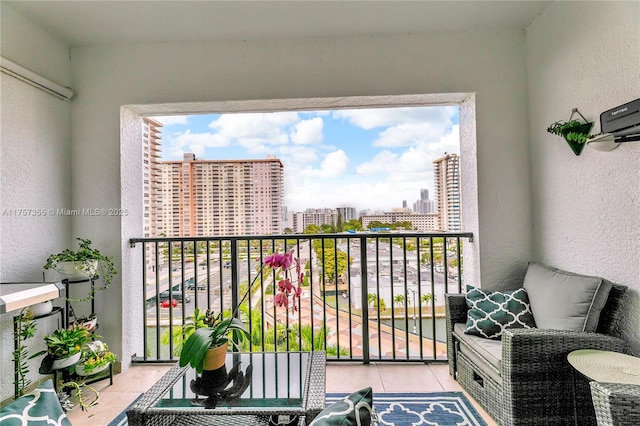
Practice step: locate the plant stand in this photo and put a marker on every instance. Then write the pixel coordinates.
(56, 310)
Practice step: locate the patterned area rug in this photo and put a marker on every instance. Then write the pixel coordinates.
(407, 409)
(413, 409)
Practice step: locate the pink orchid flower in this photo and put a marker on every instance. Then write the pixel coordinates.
(281, 263)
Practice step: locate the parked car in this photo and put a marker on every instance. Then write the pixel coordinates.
(165, 303)
(227, 264)
(175, 295)
(191, 284)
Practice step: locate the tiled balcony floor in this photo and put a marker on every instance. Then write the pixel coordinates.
(341, 377)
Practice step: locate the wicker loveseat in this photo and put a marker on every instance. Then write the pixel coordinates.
(524, 377)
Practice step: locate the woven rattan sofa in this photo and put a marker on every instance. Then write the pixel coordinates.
(524, 377)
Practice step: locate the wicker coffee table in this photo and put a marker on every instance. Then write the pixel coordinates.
(270, 388)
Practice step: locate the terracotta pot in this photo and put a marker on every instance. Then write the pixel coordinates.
(215, 357)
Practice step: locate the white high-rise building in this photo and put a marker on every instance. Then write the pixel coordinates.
(446, 173)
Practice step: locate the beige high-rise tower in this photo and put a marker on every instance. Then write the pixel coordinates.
(222, 197)
(446, 174)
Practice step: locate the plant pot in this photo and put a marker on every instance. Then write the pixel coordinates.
(66, 362)
(80, 370)
(88, 323)
(78, 271)
(40, 309)
(215, 357)
(584, 129)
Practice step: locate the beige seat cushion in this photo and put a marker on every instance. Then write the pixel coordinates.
(485, 353)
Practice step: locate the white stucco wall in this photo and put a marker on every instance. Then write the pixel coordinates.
(586, 208)
(35, 173)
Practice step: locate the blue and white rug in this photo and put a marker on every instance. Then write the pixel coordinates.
(407, 409)
(413, 409)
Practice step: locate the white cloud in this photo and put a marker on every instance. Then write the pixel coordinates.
(378, 117)
(333, 165)
(308, 132)
(255, 132)
(413, 159)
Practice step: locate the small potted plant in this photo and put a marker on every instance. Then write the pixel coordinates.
(206, 347)
(90, 322)
(84, 263)
(64, 347)
(96, 357)
(575, 132)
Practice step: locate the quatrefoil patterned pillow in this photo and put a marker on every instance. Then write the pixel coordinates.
(492, 312)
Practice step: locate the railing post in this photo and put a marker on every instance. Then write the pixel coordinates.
(365, 303)
(235, 285)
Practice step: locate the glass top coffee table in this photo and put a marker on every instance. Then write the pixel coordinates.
(258, 388)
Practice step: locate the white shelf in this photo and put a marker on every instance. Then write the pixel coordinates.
(15, 296)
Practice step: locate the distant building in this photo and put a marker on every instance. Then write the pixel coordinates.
(424, 205)
(222, 197)
(151, 177)
(151, 185)
(300, 220)
(347, 213)
(420, 222)
(446, 172)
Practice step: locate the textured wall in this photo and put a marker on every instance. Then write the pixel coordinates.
(586, 208)
(35, 171)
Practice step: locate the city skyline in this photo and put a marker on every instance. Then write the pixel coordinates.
(377, 158)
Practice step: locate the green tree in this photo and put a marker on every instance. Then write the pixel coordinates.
(353, 225)
(339, 223)
(328, 228)
(312, 229)
(375, 301)
(399, 299)
(329, 264)
(426, 298)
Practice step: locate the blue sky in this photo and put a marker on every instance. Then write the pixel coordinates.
(370, 159)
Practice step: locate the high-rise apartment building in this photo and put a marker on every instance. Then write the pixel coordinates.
(151, 176)
(151, 184)
(446, 173)
(222, 197)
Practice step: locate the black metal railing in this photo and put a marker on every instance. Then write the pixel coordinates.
(366, 296)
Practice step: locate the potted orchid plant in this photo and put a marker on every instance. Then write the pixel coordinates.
(210, 334)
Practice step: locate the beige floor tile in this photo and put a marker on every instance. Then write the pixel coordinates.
(441, 372)
(408, 378)
(138, 378)
(352, 377)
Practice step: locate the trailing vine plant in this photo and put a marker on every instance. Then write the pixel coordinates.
(77, 390)
(25, 329)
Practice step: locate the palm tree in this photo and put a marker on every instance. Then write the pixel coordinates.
(399, 299)
(371, 299)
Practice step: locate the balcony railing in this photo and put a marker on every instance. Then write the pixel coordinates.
(365, 297)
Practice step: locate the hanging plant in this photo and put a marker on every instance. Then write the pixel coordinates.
(574, 131)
